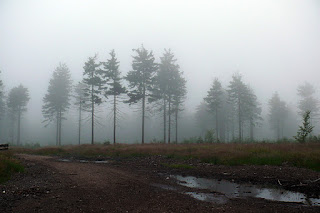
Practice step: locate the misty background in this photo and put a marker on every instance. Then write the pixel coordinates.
(274, 45)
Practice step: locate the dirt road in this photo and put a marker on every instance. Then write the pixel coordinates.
(56, 185)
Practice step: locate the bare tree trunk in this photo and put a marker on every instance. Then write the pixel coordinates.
(169, 127)
(60, 124)
(143, 113)
(164, 120)
(79, 131)
(57, 130)
(217, 129)
(92, 116)
(240, 121)
(19, 119)
(251, 130)
(177, 110)
(114, 118)
(278, 130)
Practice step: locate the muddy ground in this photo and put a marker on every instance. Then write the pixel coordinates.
(144, 184)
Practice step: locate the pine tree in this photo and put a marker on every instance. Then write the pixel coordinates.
(178, 97)
(94, 82)
(112, 76)
(278, 113)
(305, 129)
(307, 101)
(214, 102)
(141, 80)
(18, 99)
(238, 93)
(252, 111)
(57, 100)
(81, 101)
(169, 89)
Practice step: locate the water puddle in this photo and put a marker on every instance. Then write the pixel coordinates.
(64, 160)
(234, 190)
(219, 199)
(84, 161)
(208, 197)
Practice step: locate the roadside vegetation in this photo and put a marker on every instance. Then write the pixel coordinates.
(291, 154)
(8, 166)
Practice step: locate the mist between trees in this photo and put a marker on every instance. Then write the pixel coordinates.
(148, 105)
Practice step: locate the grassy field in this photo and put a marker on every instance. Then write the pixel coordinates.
(8, 165)
(293, 154)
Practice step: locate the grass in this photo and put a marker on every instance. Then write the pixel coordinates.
(8, 165)
(293, 154)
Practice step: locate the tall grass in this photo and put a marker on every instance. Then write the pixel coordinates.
(8, 165)
(294, 154)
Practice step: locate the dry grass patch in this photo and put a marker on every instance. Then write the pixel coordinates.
(300, 155)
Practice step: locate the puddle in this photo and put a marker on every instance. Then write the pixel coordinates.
(234, 190)
(219, 199)
(64, 160)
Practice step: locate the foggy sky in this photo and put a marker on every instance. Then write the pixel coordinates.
(274, 44)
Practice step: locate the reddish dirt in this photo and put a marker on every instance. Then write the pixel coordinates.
(130, 185)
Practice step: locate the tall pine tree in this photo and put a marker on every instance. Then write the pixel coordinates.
(238, 94)
(141, 80)
(18, 99)
(166, 83)
(278, 113)
(57, 100)
(178, 97)
(214, 102)
(112, 76)
(307, 101)
(93, 80)
(81, 101)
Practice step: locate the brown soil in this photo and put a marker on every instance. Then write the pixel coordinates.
(132, 185)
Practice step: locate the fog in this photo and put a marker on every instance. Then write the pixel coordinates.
(274, 45)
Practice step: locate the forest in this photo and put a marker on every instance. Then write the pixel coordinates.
(151, 98)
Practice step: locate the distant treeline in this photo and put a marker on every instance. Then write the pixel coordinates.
(231, 113)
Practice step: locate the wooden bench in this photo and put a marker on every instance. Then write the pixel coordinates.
(4, 147)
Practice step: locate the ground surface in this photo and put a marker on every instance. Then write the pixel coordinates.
(132, 185)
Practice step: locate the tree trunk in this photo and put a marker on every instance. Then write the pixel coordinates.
(114, 118)
(143, 113)
(164, 120)
(19, 119)
(60, 124)
(79, 131)
(240, 122)
(92, 116)
(57, 130)
(251, 130)
(217, 129)
(169, 127)
(177, 110)
(278, 130)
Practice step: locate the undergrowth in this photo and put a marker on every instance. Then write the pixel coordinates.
(8, 165)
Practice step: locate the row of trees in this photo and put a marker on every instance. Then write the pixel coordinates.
(13, 106)
(238, 104)
(148, 83)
